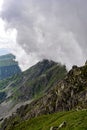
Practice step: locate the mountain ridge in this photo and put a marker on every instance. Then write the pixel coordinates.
(69, 94)
(30, 84)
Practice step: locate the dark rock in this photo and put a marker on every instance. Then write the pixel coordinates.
(69, 93)
(86, 62)
(54, 128)
(66, 95)
(1, 119)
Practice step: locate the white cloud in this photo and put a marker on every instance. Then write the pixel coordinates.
(1, 3)
(52, 29)
(8, 44)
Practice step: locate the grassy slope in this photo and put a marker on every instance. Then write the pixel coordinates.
(11, 84)
(76, 120)
(33, 82)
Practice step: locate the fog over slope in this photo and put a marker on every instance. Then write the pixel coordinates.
(53, 29)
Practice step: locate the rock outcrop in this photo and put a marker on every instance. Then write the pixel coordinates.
(62, 125)
(69, 93)
(29, 85)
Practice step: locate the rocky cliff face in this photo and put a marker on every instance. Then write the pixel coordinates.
(69, 93)
(40, 78)
(30, 84)
(8, 66)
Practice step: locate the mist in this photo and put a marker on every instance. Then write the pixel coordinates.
(54, 30)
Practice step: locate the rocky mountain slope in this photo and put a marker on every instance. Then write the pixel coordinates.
(68, 94)
(29, 85)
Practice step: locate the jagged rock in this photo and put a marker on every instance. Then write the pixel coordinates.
(74, 67)
(66, 95)
(63, 124)
(69, 93)
(30, 84)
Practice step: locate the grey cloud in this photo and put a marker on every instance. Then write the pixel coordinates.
(54, 29)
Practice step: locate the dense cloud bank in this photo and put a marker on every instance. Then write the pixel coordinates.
(53, 29)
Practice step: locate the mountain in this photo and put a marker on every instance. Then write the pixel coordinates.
(69, 94)
(8, 66)
(29, 85)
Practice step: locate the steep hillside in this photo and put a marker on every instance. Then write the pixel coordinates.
(30, 84)
(40, 78)
(74, 120)
(70, 93)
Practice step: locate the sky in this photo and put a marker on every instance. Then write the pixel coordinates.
(41, 29)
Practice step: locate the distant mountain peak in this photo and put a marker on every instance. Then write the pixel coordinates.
(8, 66)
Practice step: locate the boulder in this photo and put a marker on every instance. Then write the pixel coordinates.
(54, 128)
(63, 124)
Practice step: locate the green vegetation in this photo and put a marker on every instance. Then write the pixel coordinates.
(69, 94)
(41, 78)
(75, 120)
(4, 83)
(34, 82)
(9, 84)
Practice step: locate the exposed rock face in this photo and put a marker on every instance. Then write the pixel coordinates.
(68, 94)
(40, 78)
(8, 66)
(29, 85)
